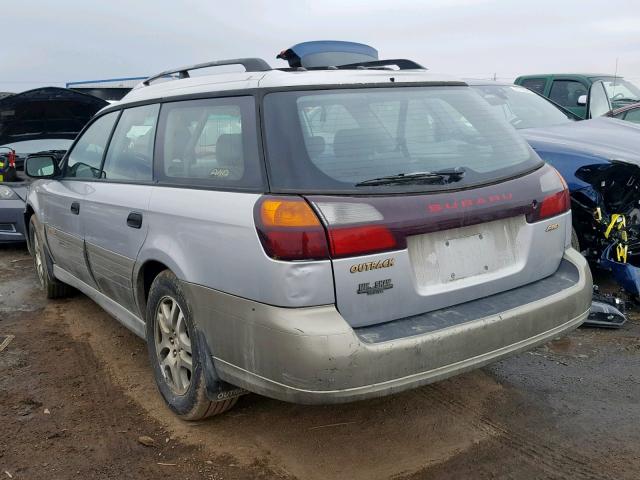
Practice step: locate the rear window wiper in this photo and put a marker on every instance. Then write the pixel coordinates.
(439, 176)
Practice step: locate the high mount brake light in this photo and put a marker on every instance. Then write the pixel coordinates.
(553, 204)
(289, 229)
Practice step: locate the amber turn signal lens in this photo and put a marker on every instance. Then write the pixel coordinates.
(287, 213)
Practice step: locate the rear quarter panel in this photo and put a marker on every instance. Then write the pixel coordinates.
(209, 238)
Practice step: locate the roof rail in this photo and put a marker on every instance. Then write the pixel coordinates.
(250, 65)
(401, 63)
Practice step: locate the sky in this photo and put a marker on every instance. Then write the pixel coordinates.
(51, 43)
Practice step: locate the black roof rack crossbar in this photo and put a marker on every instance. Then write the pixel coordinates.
(401, 63)
(250, 65)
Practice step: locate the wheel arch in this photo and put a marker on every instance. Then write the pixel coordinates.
(146, 273)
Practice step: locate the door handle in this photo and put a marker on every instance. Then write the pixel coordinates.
(75, 208)
(134, 220)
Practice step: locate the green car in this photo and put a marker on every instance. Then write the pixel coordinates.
(586, 95)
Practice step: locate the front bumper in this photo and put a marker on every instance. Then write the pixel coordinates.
(311, 355)
(12, 227)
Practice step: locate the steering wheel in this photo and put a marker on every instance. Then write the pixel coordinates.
(617, 96)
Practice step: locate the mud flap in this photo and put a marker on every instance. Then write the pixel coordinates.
(627, 275)
(217, 389)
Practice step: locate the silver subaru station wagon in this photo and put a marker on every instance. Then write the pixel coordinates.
(314, 235)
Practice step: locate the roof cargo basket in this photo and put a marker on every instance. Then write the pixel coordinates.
(327, 53)
(338, 55)
(250, 65)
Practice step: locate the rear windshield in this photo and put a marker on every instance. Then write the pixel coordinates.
(332, 140)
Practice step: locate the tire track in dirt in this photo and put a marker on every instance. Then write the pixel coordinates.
(94, 382)
(554, 459)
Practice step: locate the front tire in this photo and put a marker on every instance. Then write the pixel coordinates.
(53, 287)
(174, 353)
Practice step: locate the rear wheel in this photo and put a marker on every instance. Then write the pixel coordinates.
(53, 287)
(174, 353)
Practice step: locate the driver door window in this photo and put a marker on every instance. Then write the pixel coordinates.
(567, 92)
(86, 157)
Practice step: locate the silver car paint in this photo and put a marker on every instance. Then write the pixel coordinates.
(209, 238)
(242, 299)
(112, 246)
(312, 355)
(63, 230)
(416, 272)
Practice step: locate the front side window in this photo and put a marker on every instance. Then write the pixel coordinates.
(130, 153)
(85, 158)
(210, 142)
(567, 92)
(598, 101)
(521, 107)
(339, 140)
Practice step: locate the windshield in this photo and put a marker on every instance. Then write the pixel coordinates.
(620, 90)
(33, 146)
(337, 140)
(521, 107)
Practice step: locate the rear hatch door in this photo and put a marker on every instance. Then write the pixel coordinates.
(449, 248)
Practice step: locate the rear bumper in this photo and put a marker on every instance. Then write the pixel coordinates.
(12, 221)
(311, 355)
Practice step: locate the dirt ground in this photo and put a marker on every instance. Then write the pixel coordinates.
(76, 395)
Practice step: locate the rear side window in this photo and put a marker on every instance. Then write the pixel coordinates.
(333, 140)
(210, 142)
(130, 153)
(535, 84)
(567, 92)
(86, 156)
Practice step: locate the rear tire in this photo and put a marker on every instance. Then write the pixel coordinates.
(52, 287)
(575, 243)
(174, 353)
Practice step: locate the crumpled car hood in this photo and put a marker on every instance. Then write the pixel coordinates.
(608, 138)
(43, 113)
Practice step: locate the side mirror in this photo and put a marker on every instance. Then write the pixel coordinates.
(41, 166)
(582, 100)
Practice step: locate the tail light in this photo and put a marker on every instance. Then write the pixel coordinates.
(552, 204)
(289, 229)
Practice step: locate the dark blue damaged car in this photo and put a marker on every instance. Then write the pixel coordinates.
(600, 161)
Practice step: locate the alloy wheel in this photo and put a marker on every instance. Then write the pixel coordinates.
(39, 262)
(173, 345)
